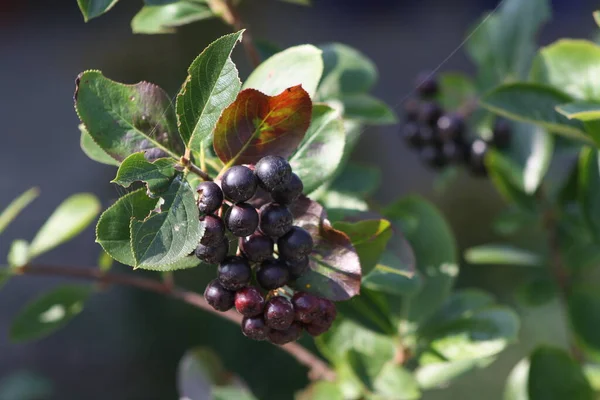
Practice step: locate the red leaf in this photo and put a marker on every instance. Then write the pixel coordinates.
(256, 125)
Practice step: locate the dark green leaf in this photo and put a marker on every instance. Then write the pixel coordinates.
(395, 274)
(335, 267)
(366, 366)
(5, 274)
(16, 206)
(299, 65)
(322, 148)
(584, 313)
(92, 150)
(583, 111)
(256, 125)
(125, 119)
(167, 237)
(460, 305)
(456, 90)
(536, 104)
(589, 188)
(367, 109)
(48, 313)
(299, 2)
(165, 18)
(157, 175)
(569, 65)
(423, 225)
(503, 178)
(553, 375)
(94, 8)
(346, 71)
(212, 84)
(357, 179)
(113, 230)
(537, 292)
(513, 220)
(70, 218)
(502, 254)
(369, 310)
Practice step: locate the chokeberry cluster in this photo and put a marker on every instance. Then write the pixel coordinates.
(271, 310)
(441, 137)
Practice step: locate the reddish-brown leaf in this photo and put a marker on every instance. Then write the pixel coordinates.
(256, 125)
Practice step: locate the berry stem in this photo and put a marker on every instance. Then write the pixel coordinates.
(318, 369)
(194, 168)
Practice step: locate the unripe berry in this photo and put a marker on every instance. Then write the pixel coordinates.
(281, 337)
(255, 328)
(298, 267)
(213, 255)
(289, 193)
(234, 273)
(214, 230)
(249, 301)
(306, 307)
(295, 244)
(239, 183)
(273, 172)
(272, 274)
(279, 313)
(257, 247)
(241, 219)
(210, 197)
(275, 220)
(218, 297)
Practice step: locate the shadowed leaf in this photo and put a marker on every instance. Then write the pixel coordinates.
(157, 175)
(94, 8)
(92, 150)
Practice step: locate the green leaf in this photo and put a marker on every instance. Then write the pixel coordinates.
(166, 237)
(299, 65)
(589, 188)
(94, 8)
(583, 111)
(459, 305)
(25, 385)
(321, 390)
(125, 119)
(366, 367)
(516, 384)
(396, 383)
(536, 104)
(597, 17)
(321, 151)
(105, 261)
(157, 175)
(48, 313)
(18, 254)
(440, 374)
(92, 150)
(211, 85)
(502, 254)
(341, 205)
(537, 292)
(68, 220)
(513, 220)
(5, 274)
(299, 2)
(335, 271)
(571, 66)
(346, 71)
(228, 393)
(369, 310)
(553, 375)
(358, 179)
(504, 180)
(113, 229)
(394, 273)
(367, 109)
(165, 18)
(456, 91)
(584, 313)
(16, 206)
(369, 238)
(256, 125)
(423, 224)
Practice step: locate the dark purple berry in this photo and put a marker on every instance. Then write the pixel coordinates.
(213, 255)
(316, 330)
(326, 314)
(432, 156)
(298, 267)
(295, 244)
(411, 110)
(429, 113)
(279, 313)
(478, 151)
(272, 274)
(273, 172)
(249, 301)
(451, 127)
(427, 85)
(289, 193)
(411, 133)
(502, 133)
(257, 247)
(218, 297)
(306, 307)
(239, 183)
(241, 219)
(281, 337)
(453, 152)
(255, 328)
(275, 220)
(210, 197)
(214, 230)
(234, 273)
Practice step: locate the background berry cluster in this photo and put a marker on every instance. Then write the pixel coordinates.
(272, 310)
(441, 137)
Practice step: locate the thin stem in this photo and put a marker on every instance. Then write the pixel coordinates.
(185, 161)
(318, 369)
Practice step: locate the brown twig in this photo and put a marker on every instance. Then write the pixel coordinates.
(185, 161)
(318, 369)
(231, 15)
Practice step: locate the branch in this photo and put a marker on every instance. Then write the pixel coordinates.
(229, 12)
(185, 161)
(318, 369)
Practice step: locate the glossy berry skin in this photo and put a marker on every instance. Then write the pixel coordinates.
(275, 220)
(427, 85)
(281, 337)
(255, 328)
(502, 133)
(432, 156)
(239, 184)
(273, 172)
(210, 197)
(298, 267)
(279, 313)
(272, 274)
(478, 150)
(241, 219)
(295, 244)
(289, 193)
(306, 307)
(326, 314)
(214, 230)
(429, 113)
(218, 297)
(213, 254)
(257, 247)
(234, 273)
(451, 127)
(249, 301)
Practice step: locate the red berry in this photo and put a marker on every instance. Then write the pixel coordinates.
(306, 307)
(290, 334)
(279, 313)
(249, 301)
